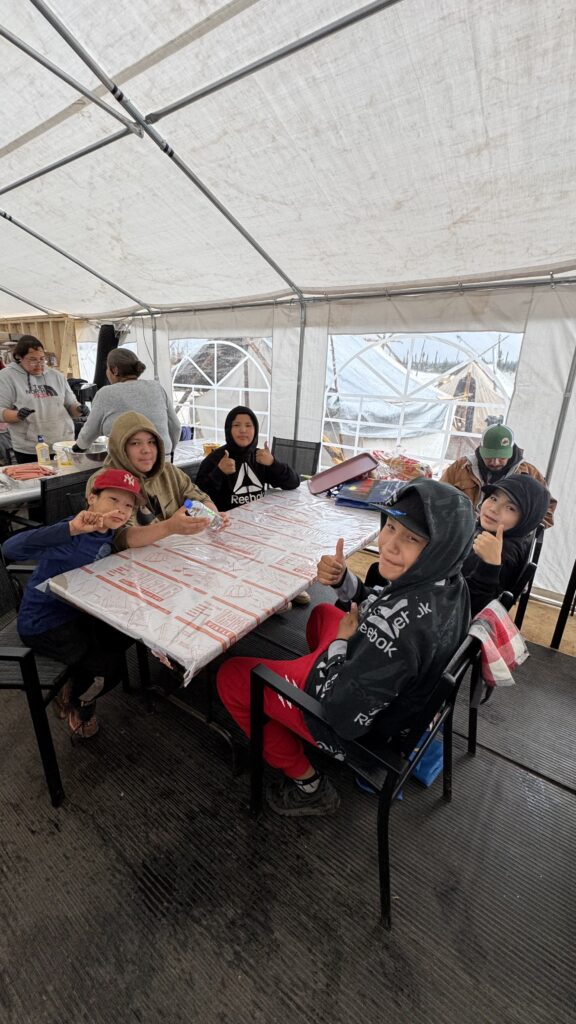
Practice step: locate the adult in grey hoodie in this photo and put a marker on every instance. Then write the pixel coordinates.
(130, 394)
(35, 400)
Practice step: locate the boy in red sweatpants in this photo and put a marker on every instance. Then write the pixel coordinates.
(381, 658)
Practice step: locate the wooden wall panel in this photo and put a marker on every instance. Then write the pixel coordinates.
(57, 334)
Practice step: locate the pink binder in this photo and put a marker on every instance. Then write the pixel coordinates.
(342, 473)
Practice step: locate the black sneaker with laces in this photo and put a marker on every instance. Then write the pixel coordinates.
(286, 798)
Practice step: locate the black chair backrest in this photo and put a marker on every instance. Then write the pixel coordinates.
(524, 580)
(445, 689)
(9, 596)
(190, 468)
(302, 456)
(537, 544)
(64, 495)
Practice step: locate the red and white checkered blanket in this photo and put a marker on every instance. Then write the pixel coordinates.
(502, 645)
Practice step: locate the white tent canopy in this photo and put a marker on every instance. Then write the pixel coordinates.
(429, 142)
(326, 148)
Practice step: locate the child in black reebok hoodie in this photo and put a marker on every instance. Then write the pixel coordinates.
(238, 471)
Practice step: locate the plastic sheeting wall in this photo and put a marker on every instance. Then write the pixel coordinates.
(547, 316)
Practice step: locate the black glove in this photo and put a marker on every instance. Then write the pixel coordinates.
(84, 409)
(24, 413)
(79, 451)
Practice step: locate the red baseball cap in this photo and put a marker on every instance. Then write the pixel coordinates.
(119, 480)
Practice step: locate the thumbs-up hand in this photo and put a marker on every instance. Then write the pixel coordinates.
(264, 455)
(488, 546)
(226, 464)
(331, 569)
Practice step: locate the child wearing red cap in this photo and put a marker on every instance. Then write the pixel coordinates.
(91, 648)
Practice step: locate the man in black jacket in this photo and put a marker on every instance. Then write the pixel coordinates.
(381, 658)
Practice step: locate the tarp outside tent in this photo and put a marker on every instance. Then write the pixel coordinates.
(420, 144)
(373, 390)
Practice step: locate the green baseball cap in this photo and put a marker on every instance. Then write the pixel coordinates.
(497, 443)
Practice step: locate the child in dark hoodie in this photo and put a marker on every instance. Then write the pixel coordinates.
(380, 659)
(509, 514)
(238, 471)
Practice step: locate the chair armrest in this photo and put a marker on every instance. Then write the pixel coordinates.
(13, 653)
(290, 692)
(385, 757)
(25, 522)
(24, 570)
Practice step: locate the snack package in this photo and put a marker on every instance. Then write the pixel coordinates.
(395, 466)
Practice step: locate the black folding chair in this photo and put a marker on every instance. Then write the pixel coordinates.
(27, 680)
(521, 594)
(60, 496)
(302, 456)
(190, 468)
(524, 586)
(385, 763)
(65, 495)
(507, 599)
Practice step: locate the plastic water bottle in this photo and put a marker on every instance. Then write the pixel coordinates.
(196, 508)
(42, 452)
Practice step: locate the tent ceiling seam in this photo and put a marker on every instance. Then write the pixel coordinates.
(204, 27)
(288, 50)
(279, 301)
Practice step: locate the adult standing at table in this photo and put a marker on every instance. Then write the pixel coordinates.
(123, 370)
(496, 458)
(36, 400)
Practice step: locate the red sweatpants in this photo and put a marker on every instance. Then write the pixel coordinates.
(283, 747)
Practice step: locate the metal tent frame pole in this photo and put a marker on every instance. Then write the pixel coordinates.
(65, 77)
(158, 140)
(92, 148)
(272, 58)
(74, 259)
(299, 371)
(35, 305)
(568, 392)
(235, 76)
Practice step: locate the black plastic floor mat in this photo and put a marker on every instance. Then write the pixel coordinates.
(532, 722)
(151, 896)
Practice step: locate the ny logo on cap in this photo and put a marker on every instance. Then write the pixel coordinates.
(129, 479)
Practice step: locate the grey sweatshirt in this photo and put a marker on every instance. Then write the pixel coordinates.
(145, 396)
(48, 394)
